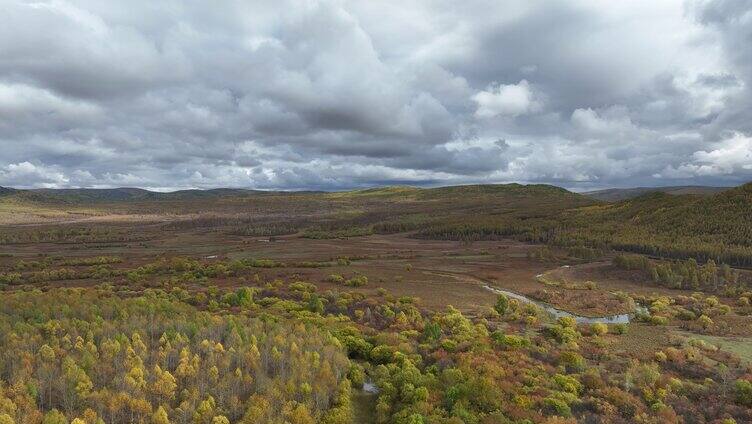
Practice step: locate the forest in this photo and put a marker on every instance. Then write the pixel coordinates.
(460, 305)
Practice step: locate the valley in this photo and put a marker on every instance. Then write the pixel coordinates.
(457, 304)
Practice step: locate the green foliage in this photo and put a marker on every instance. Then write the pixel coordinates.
(432, 331)
(315, 304)
(656, 224)
(357, 375)
(382, 354)
(568, 384)
(743, 391)
(621, 328)
(658, 320)
(357, 281)
(564, 332)
(510, 341)
(557, 407)
(572, 360)
(676, 274)
(502, 304)
(599, 329)
(314, 233)
(336, 278)
(244, 296)
(54, 417)
(705, 321)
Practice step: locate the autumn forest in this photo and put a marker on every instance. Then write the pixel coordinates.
(459, 305)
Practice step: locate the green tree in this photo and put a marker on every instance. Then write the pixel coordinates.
(315, 304)
(160, 416)
(54, 417)
(502, 304)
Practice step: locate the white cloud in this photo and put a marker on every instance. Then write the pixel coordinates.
(732, 152)
(22, 99)
(506, 100)
(325, 93)
(611, 121)
(27, 174)
(732, 155)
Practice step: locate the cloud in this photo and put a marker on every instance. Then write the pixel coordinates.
(605, 123)
(27, 174)
(330, 94)
(731, 156)
(506, 100)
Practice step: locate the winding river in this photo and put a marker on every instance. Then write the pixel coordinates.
(558, 313)
(555, 312)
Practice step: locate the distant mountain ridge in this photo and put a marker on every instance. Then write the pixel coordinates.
(129, 194)
(4, 191)
(618, 194)
(120, 194)
(126, 194)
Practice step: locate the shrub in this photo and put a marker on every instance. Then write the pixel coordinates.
(568, 384)
(356, 346)
(705, 321)
(502, 304)
(356, 375)
(567, 322)
(557, 406)
(599, 329)
(572, 360)
(431, 331)
(743, 391)
(686, 315)
(336, 278)
(449, 345)
(382, 354)
(561, 334)
(300, 286)
(315, 304)
(711, 301)
(509, 341)
(658, 320)
(357, 281)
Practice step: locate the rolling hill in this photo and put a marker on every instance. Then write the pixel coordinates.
(4, 191)
(122, 194)
(674, 222)
(617, 194)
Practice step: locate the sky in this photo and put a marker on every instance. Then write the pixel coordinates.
(331, 95)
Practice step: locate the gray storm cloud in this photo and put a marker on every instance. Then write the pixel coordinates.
(332, 94)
